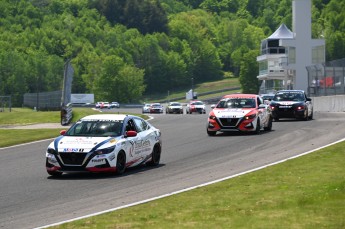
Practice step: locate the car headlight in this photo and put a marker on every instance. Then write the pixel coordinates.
(252, 116)
(105, 151)
(51, 151)
(212, 117)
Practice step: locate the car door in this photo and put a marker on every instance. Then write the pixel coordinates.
(262, 111)
(134, 142)
(146, 137)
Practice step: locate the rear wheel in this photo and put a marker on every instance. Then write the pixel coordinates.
(121, 162)
(156, 156)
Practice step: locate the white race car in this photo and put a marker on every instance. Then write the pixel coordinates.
(196, 106)
(239, 112)
(104, 143)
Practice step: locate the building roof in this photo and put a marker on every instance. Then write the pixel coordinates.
(282, 33)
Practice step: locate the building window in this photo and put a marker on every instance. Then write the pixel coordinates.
(318, 54)
(292, 55)
(263, 67)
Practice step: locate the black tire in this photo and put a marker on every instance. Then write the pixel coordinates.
(121, 162)
(156, 156)
(276, 119)
(211, 133)
(311, 115)
(269, 126)
(306, 117)
(257, 128)
(54, 173)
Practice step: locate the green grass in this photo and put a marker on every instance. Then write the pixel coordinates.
(228, 82)
(304, 193)
(23, 116)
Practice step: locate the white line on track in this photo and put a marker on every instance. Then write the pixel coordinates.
(190, 188)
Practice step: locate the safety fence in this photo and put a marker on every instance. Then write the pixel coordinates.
(327, 79)
(43, 100)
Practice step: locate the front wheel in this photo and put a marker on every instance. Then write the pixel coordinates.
(121, 162)
(211, 133)
(156, 156)
(306, 117)
(311, 115)
(269, 125)
(257, 129)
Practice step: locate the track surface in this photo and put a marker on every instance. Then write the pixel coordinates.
(30, 198)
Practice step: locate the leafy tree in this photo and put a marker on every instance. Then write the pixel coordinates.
(249, 71)
(117, 81)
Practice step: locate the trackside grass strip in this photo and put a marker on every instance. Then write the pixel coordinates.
(303, 193)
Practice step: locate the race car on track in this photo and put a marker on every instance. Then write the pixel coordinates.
(156, 108)
(104, 143)
(146, 108)
(174, 107)
(196, 106)
(291, 104)
(239, 112)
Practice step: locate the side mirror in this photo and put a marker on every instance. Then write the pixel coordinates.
(62, 132)
(308, 99)
(130, 133)
(213, 106)
(262, 106)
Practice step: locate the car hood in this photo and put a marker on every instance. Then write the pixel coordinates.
(230, 113)
(82, 144)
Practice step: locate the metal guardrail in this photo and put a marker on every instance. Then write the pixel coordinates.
(66, 114)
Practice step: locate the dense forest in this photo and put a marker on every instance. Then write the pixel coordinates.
(122, 50)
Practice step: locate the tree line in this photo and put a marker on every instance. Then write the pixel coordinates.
(124, 50)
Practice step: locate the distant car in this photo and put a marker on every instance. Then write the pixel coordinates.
(174, 108)
(196, 106)
(114, 105)
(239, 112)
(291, 104)
(146, 108)
(104, 143)
(102, 105)
(98, 104)
(156, 108)
(267, 97)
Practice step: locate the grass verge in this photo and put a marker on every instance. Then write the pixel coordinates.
(24, 116)
(307, 192)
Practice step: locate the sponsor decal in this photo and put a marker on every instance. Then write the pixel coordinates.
(112, 140)
(70, 150)
(286, 103)
(111, 157)
(97, 160)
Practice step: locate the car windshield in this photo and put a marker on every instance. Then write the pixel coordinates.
(175, 104)
(289, 96)
(96, 128)
(197, 103)
(237, 103)
(156, 105)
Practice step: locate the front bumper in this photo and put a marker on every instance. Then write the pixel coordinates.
(231, 125)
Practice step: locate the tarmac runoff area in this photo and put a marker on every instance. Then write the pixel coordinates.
(36, 126)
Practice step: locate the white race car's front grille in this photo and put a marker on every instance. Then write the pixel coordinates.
(72, 158)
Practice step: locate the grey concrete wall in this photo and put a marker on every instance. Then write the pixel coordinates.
(334, 103)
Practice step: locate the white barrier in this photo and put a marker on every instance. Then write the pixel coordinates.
(334, 103)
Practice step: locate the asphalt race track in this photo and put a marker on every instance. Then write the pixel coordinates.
(30, 198)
